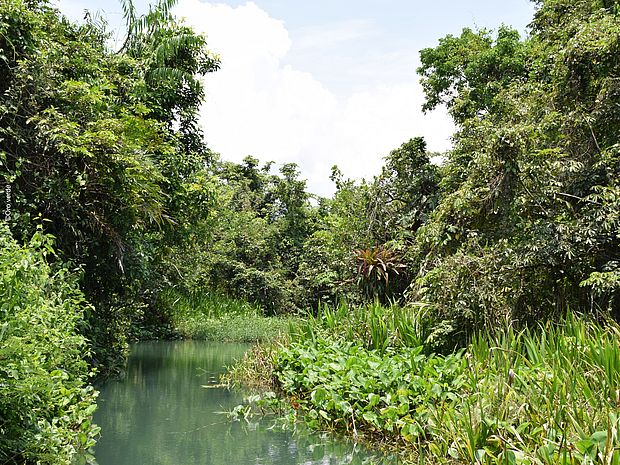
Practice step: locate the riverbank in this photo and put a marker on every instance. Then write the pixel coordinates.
(212, 317)
(545, 396)
(170, 410)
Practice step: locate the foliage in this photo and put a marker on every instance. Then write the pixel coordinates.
(207, 316)
(255, 371)
(102, 149)
(374, 326)
(364, 232)
(327, 268)
(527, 224)
(250, 244)
(404, 194)
(543, 396)
(374, 268)
(520, 225)
(467, 73)
(45, 403)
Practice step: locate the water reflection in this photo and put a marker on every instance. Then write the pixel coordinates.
(160, 415)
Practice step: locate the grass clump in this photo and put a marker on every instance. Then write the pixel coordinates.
(544, 396)
(256, 369)
(213, 317)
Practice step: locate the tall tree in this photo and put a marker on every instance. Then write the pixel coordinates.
(404, 193)
(101, 147)
(527, 226)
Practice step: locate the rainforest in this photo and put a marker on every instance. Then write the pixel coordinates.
(458, 307)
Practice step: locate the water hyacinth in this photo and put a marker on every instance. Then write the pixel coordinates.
(541, 396)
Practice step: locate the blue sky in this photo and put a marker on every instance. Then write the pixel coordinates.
(323, 82)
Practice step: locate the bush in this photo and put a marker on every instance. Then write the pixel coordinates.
(45, 404)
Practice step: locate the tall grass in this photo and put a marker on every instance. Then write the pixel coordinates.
(208, 316)
(374, 325)
(207, 304)
(546, 395)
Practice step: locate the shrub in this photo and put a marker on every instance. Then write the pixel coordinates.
(45, 404)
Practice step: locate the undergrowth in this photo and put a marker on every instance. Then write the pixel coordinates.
(542, 396)
(207, 316)
(46, 404)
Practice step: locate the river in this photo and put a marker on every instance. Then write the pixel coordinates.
(160, 414)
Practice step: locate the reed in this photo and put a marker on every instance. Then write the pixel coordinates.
(544, 395)
(213, 317)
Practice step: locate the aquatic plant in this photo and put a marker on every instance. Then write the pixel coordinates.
(542, 396)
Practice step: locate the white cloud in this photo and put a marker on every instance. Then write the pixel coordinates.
(258, 105)
(319, 37)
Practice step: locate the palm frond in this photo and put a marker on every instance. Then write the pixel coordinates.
(165, 73)
(171, 46)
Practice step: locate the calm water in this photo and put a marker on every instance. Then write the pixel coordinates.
(160, 415)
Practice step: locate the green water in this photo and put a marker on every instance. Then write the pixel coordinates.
(160, 415)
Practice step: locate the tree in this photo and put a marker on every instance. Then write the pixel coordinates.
(100, 147)
(327, 269)
(525, 228)
(249, 246)
(468, 72)
(404, 193)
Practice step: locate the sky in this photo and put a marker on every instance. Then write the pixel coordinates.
(322, 83)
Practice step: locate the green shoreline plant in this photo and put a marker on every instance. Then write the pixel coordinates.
(214, 317)
(543, 396)
(46, 403)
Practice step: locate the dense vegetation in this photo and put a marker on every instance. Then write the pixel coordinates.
(528, 222)
(120, 223)
(509, 251)
(101, 149)
(546, 396)
(214, 317)
(45, 402)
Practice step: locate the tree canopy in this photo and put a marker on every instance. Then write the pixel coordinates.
(114, 197)
(528, 223)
